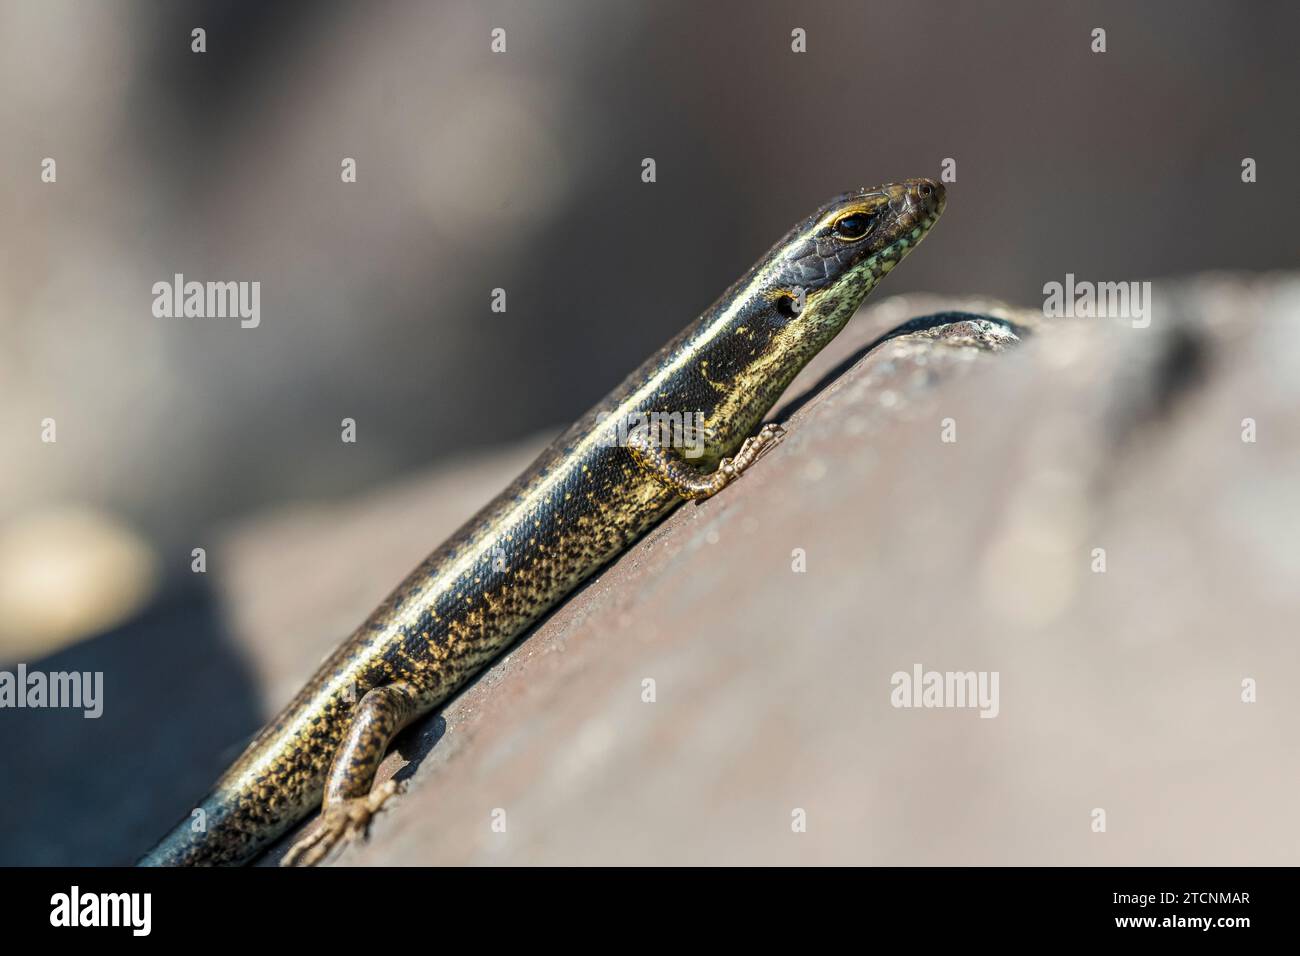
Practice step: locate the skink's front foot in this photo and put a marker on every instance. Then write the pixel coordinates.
(339, 824)
(753, 446)
(667, 465)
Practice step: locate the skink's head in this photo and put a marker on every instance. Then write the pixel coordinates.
(819, 273)
(796, 298)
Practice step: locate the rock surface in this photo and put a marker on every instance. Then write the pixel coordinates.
(1119, 691)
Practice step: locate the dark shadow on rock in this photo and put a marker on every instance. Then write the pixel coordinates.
(415, 743)
(920, 324)
(1176, 362)
(99, 791)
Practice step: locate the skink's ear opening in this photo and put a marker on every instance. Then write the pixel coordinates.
(788, 305)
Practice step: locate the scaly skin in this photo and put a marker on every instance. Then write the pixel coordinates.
(586, 499)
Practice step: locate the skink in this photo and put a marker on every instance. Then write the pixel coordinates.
(682, 426)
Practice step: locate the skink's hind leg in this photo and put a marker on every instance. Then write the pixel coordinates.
(668, 466)
(349, 800)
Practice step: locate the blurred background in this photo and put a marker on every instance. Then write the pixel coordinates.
(476, 170)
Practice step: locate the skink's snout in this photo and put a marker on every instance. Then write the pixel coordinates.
(926, 195)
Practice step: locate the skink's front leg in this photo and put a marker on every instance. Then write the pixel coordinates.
(349, 800)
(666, 464)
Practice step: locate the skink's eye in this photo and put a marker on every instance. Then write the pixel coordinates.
(853, 226)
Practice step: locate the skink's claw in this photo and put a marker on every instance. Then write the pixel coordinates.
(339, 824)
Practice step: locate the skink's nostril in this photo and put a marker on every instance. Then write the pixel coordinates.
(927, 193)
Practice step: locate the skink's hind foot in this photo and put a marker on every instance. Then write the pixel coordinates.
(339, 824)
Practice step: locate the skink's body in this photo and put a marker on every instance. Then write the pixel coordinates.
(590, 495)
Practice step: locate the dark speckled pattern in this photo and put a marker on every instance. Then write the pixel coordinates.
(584, 500)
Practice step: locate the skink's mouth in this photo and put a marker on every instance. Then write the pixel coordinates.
(913, 205)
